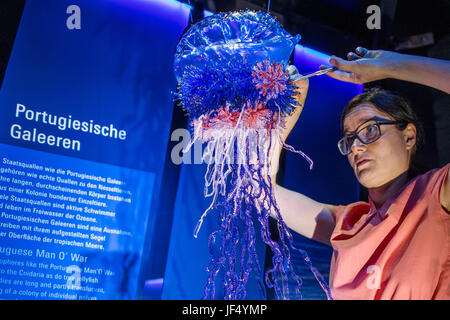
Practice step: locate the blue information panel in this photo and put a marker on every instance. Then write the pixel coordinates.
(85, 113)
(69, 228)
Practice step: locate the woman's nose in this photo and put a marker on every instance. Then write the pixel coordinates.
(357, 146)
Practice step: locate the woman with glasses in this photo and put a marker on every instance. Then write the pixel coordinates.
(397, 245)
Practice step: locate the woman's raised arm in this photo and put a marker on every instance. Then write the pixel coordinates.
(305, 216)
(369, 65)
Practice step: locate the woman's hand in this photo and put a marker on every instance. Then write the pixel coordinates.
(365, 65)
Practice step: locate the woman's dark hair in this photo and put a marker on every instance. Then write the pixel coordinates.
(397, 107)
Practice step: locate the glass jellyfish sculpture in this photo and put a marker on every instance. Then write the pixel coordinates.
(234, 85)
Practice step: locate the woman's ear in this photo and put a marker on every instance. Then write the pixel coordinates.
(410, 134)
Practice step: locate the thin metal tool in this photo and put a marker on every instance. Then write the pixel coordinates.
(317, 73)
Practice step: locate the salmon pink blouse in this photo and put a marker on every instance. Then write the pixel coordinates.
(400, 251)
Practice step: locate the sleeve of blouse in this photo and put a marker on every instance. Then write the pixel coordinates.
(440, 175)
(337, 212)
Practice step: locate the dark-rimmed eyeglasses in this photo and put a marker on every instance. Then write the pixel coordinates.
(367, 134)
